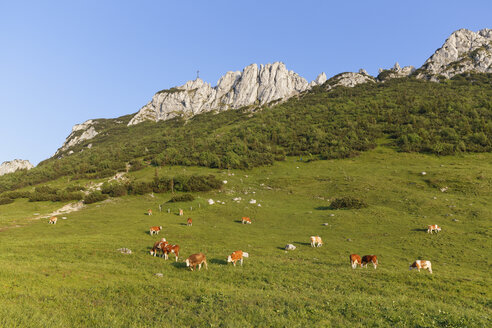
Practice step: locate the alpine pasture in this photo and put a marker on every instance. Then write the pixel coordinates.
(71, 273)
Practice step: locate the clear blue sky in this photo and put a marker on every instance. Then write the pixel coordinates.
(63, 62)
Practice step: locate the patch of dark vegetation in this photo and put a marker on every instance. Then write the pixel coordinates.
(182, 198)
(4, 201)
(95, 196)
(347, 202)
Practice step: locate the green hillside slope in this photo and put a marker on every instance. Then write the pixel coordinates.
(73, 268)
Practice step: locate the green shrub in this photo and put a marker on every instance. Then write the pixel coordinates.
(114, 189)
(4, 201)
(42, 197)
(74, 188)
(347, 202)
(16, 194)
(140, 188)
(45, 190)
(95, 196)
(182, 198)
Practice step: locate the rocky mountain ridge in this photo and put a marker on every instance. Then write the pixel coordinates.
(253, 86)
(464, 51)
(16, 164)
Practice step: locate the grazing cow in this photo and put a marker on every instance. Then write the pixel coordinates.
(237, 256)
(421, 264)
(149, 212)
(155, 230)
(432, 228)
(53, 220)
(196, 259)
(354, 260)
(158, 245)
(245, 220)
(171, 249)
(189, 222)
(366, 259)
(316, 241)
(180, 212)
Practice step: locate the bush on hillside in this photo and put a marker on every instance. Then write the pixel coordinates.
(4, 201)
(114, 189)
(95, 196)
(347, 202)
(182, 198)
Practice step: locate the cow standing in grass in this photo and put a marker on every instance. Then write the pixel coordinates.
(53, 220)
(158, 245)
(196, 259)
(171, 249)
(181, 213)
(432, 228)
(155, 230)
(366, 259)
(421, 264)
(354, 260)
(245, 220)
(316, 241)
(189, 222)
(149, 212)
(237, 256)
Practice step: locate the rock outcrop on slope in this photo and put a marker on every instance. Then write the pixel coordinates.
(464, 51)
(349, 79)
(253, 86)
(80, 133)
(16, 164)
(395, 72)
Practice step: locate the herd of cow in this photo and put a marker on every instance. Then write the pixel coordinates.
(198, 259)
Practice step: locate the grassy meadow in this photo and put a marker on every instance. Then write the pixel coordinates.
(71, 274)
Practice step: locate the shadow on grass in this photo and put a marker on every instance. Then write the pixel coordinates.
(323, 208)
(238, 221)
(420, 229)
(218, 261)
(179, 265)
(303, 244)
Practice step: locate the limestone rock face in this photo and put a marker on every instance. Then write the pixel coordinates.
(16, 164)
(464, 51)
(395, 72)
(349, 79)
(253, 86)
(80, 132)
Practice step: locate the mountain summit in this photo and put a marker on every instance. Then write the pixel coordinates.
(253, 86)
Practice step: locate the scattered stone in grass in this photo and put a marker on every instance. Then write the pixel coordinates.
(332, 214)
(211, 201)
(325, 224)
(448, 214)
(36, 214)
(455, 220)
(160, 275)
(348, 239)
(253, 201)
(434, 197)
(424, 173)
(259, 205)
(64, 218)
(125, 250)
(224, 182)
(289, 247)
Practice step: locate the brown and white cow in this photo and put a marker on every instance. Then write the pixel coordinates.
(421, 264)
(366, 259)
(53, 220)
(316, 241)
(245, 220)
(196, 259)
(237, 256)
(181, 212)
(432, 228)
(171, 249)
(158, 245)
(155, 230)
(189, 222)
(149, 212)
(354, 260)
